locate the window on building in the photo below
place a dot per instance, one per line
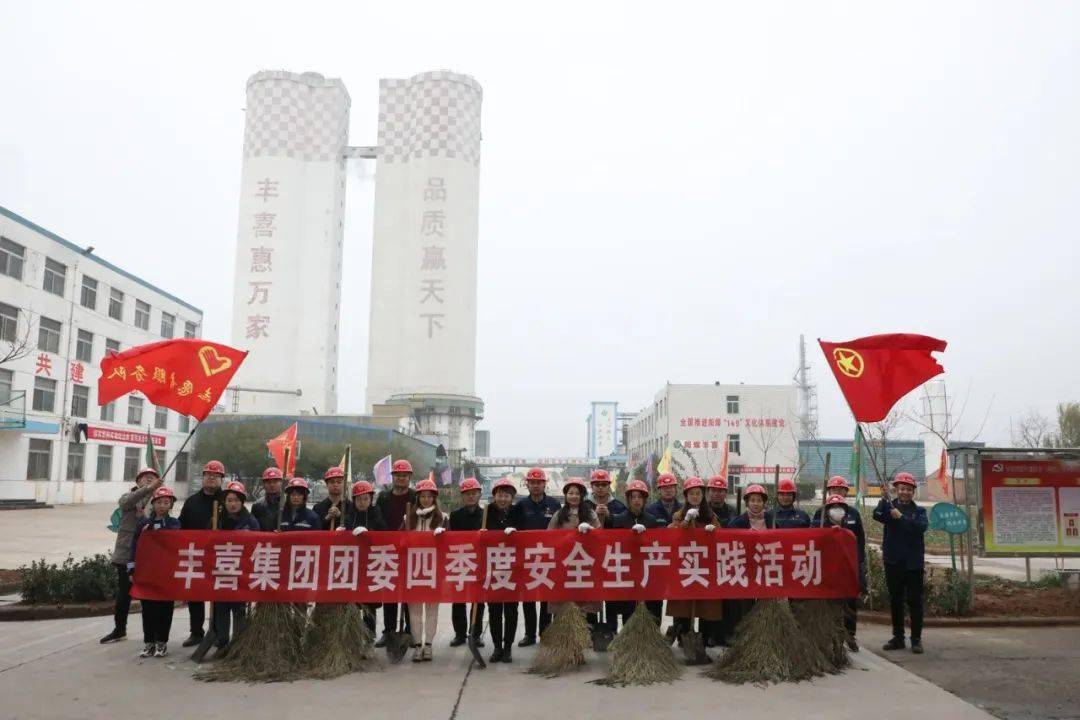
(108, 411)
(732, 404)
(111, 346)
(9, 322)
(7, 382)
(116, 304)
(12, 255)
(55, 275)
(104, 462)
(84, 346)
(40, 460)
(44, 394)
(132, 462)
(48, 335)
(184, 424)
(734, 476)
(161, 418)
(142, 315)
(168, 323)
(733, 444)
(88, 299)
(191, 329)
(80, 400)
(135, 406)
(76, 458)
(181, 467)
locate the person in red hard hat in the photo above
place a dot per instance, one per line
(638, 519)
(664, 507)
(504, 616)
(425, 516)
(156, 614)
(298, 516)
(574, 515)
(838, 514)
(904, 554)
(392, 503)
(265, 509)
(603, 503)
(756, 516)
(333, 508)
(467, 517)
(696, 513)
(534, 512)
(198, 513)
(717, 494)
(787, 515)
(364, 518)
(235, 518)
(837, 485)
(132, 505)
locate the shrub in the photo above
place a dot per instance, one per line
(88, 580)
(877, 594)
(948, 594)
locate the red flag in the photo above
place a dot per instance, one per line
(943, 473)
(277, 447)
(187, 375)
(874, 372)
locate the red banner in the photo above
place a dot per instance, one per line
(125, 436)
(187, 375)
(459, 566)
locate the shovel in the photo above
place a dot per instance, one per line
(693, 646)
(601, 633)
(210, 637)
(398, 643)
(474, 632)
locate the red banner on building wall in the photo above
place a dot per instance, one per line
(124, 436)
(494, 567)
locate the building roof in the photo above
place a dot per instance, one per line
(908, 455)
(105, 263)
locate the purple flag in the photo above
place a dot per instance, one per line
(648, 470)
(382, 471)
(446, 476)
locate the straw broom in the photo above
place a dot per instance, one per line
(640, 654)
(563, 643)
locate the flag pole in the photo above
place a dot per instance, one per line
(180, 450)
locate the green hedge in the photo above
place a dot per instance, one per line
(88, 580)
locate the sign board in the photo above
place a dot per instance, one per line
(102, 434)
(949, 518)
(1030, 506)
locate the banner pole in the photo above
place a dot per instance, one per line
(180, 450)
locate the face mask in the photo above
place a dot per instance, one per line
(836, 514)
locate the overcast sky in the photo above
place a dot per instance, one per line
(666, 194)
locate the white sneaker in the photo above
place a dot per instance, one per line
(147, 651)
(161, 650)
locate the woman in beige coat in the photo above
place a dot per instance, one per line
(574, 515)
(425, 516)
(696, 513)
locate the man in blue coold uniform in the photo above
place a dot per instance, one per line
(904, 554)
(534, 512)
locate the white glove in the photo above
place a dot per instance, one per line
(130, 567)
(691, 514)
(359, 530)
(440, 530)
(584, 528)
(340, 529)
(638, 528)
(710, 528)
(510, 530)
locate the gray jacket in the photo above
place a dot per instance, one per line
(132, 507)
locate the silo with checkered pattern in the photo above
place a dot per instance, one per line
(422, 339)
(287, 288)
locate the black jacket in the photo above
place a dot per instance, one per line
(266, 512)
(657, 510)
(198, 511)
(743, 521)
(323, 506)
(628, 520)
(243, 521)
(301, 518)
(371, 518)
(497, 519)
(467, 518)
(384, 505)
(615, 507)
(529, 515)
(791, 518)
(723, 513)
(902, 542)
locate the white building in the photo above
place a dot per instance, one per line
(287, 288)
(758, 423)
(422, 339)
(65, 307)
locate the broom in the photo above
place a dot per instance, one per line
(563, 643)
(640, 654)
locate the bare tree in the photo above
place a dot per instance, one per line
(877, 437)
(764, 436)
(17, 343)
(1032, 430)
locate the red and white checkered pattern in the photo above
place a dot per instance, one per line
(433, 114)
(305, 117)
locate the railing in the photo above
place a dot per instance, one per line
(13, 410)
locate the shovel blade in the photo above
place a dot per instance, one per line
(397, 645)
(205, 644)
(474, 649)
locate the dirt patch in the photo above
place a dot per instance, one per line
(1024, 601)
(9, 582)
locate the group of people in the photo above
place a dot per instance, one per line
(405, 507)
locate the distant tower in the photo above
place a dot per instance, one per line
(807, 395)
(287, 287)
(935, 422)
(422, 341)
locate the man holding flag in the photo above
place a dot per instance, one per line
(199, 513)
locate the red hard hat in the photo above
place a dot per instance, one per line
(756, 489)
(214, 466)
(426, 485)
(718, 482)
(469, 484)
(147, 471)
(786, 485)
(599, 476)
(637, 486)
(238, 488)
(536, 474)
(334, 472)
(837, 481)
(691, 483)
(504, 483)
(362, 487)
(836, 500)
(271, 473)
(298, 484)
(164, 492)
(571, 482)
(666, 480)
(903, 478)
(401, 466)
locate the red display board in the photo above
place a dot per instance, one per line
(1030, 506)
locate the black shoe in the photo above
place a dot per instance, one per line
(496, 656)
(527, 641)
(114, 636)
(671, 635)
(480, 642)
(219, 653)
(897, 643)
(381, 642)
(193, 640)
(852, 644)
(507, 657)
(458, 641)
(916, 647)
